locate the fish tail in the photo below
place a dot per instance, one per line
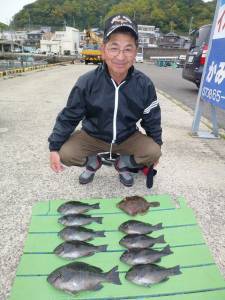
(96, 206)
(102, 248)
(167, 250)
(161, 239)
(100, 233)
(98, 219)
(60, 220)
(175, 270)
(154, 204)
(113, 276)
(158, 226)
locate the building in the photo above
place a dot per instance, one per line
(11, 40)
(61, 42)
(172, 40)
(148, 35)
(14, 36)
(82, 39)
(33, 38)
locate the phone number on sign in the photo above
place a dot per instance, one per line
(212, 94)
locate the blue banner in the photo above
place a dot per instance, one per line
(213, 87)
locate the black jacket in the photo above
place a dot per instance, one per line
(109, 112)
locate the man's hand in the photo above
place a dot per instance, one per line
(55, 163)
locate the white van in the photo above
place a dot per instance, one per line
(139, 58)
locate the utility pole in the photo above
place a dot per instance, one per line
(190, 25)
(29, 22)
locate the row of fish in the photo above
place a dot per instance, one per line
(79, 276)
(141, 256)
(75, 234)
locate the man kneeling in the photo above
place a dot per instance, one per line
(109, 101)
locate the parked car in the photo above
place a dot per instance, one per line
(181, 61)
(196, 55)
(17, 50)
(139, 58)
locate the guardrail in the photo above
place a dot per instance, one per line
(17, 71)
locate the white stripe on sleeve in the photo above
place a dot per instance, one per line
(151, 106)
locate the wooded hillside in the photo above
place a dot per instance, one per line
(165, 14)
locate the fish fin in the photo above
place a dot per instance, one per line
(161, 239)
(98, 219)
(165, 279)
(154, 204)
(102, 248)
(113, 276)
(158, 226)
(167, 250)
(144, 212)
(60, 220)
(100, 233)
(95, 206)
(97, 287)
(175, 270)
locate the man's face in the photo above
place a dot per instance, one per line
(119, 53)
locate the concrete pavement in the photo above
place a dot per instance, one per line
(190, 167)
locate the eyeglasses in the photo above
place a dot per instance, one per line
(114, 51)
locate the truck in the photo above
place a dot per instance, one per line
(91, 52)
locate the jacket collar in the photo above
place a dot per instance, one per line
(129, 73)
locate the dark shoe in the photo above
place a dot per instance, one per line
(125, 176)
(86, 177)
(88, 174)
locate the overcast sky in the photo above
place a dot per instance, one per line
(8, 8)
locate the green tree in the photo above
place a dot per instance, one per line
(92, 13)
(3, 26)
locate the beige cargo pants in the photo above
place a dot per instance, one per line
(80, 145)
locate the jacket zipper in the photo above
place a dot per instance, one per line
(115, 113)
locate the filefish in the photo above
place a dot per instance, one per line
(78, 276)
(144, 256)
(75, 249)
(79, 233)
(76, 207)
(150, 274)
(131, 241)
(135, 205)
(138, 227)
(78, 220)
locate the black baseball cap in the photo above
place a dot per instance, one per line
(120, 21)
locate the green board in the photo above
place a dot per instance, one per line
(200, 278)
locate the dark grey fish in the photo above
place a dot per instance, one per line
(150, 274)
(138, 227)
(75, 249)
(76, 207)
(78, 220)
(79, 276)
(140, 241)
(79, 233)
(144, 256)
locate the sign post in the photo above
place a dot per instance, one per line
(212, 87)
